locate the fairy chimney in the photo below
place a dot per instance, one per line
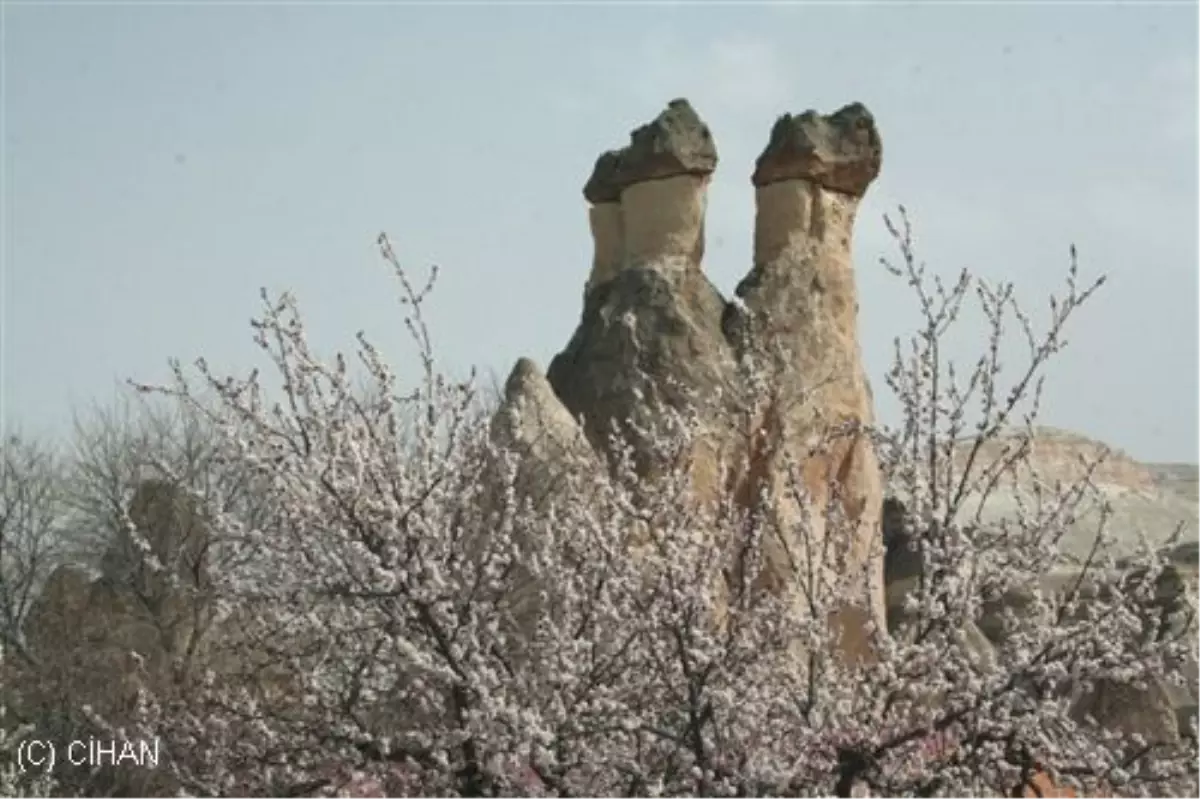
(650, 331)
(604, 216)
(801, 302)
(648, 199)
(654, 330)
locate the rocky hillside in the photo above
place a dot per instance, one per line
(1146, 499)
(1150, 498)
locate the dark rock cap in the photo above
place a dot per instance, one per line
(676, 142)
(841, 152)
(602, 186)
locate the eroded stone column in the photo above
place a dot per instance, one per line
(802, 301)
(651, 329)
(604, 218)
(664, 220)
(809, 181)
(649, 199)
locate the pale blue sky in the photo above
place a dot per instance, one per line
(164, 162)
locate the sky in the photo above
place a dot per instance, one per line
(163, 162)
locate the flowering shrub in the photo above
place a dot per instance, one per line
(408, 619)
(12, 780)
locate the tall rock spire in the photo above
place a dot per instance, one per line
(654, 330)
(802, 302)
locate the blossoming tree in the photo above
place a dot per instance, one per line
(412, 618)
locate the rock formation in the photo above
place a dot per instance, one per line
(134, 621)
(1144, 498)
(648, 200)
(533, 425)
(802, 304)
(168, 521)
(97, 641)
(656, 333)
(549, 448)
(651, 326)
(1149, 499)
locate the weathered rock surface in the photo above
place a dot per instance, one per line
(98, 641)
(651, 323)
(171, 524)
(841, 152)
(1133, 710)
(603, 186)
(94, 636)
(1152, 499)
(801, 301)
(648, 199)
(1158, 710)
(608, 235)
(645, 337)
(133, 622)
(676, 142)
(655, 332)
(531, 422)
(1146, 499)
(902, 568)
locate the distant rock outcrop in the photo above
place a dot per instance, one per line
(99, 641)
(171, 545)
(140, 617)
(655, 332)
(1146, 501)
